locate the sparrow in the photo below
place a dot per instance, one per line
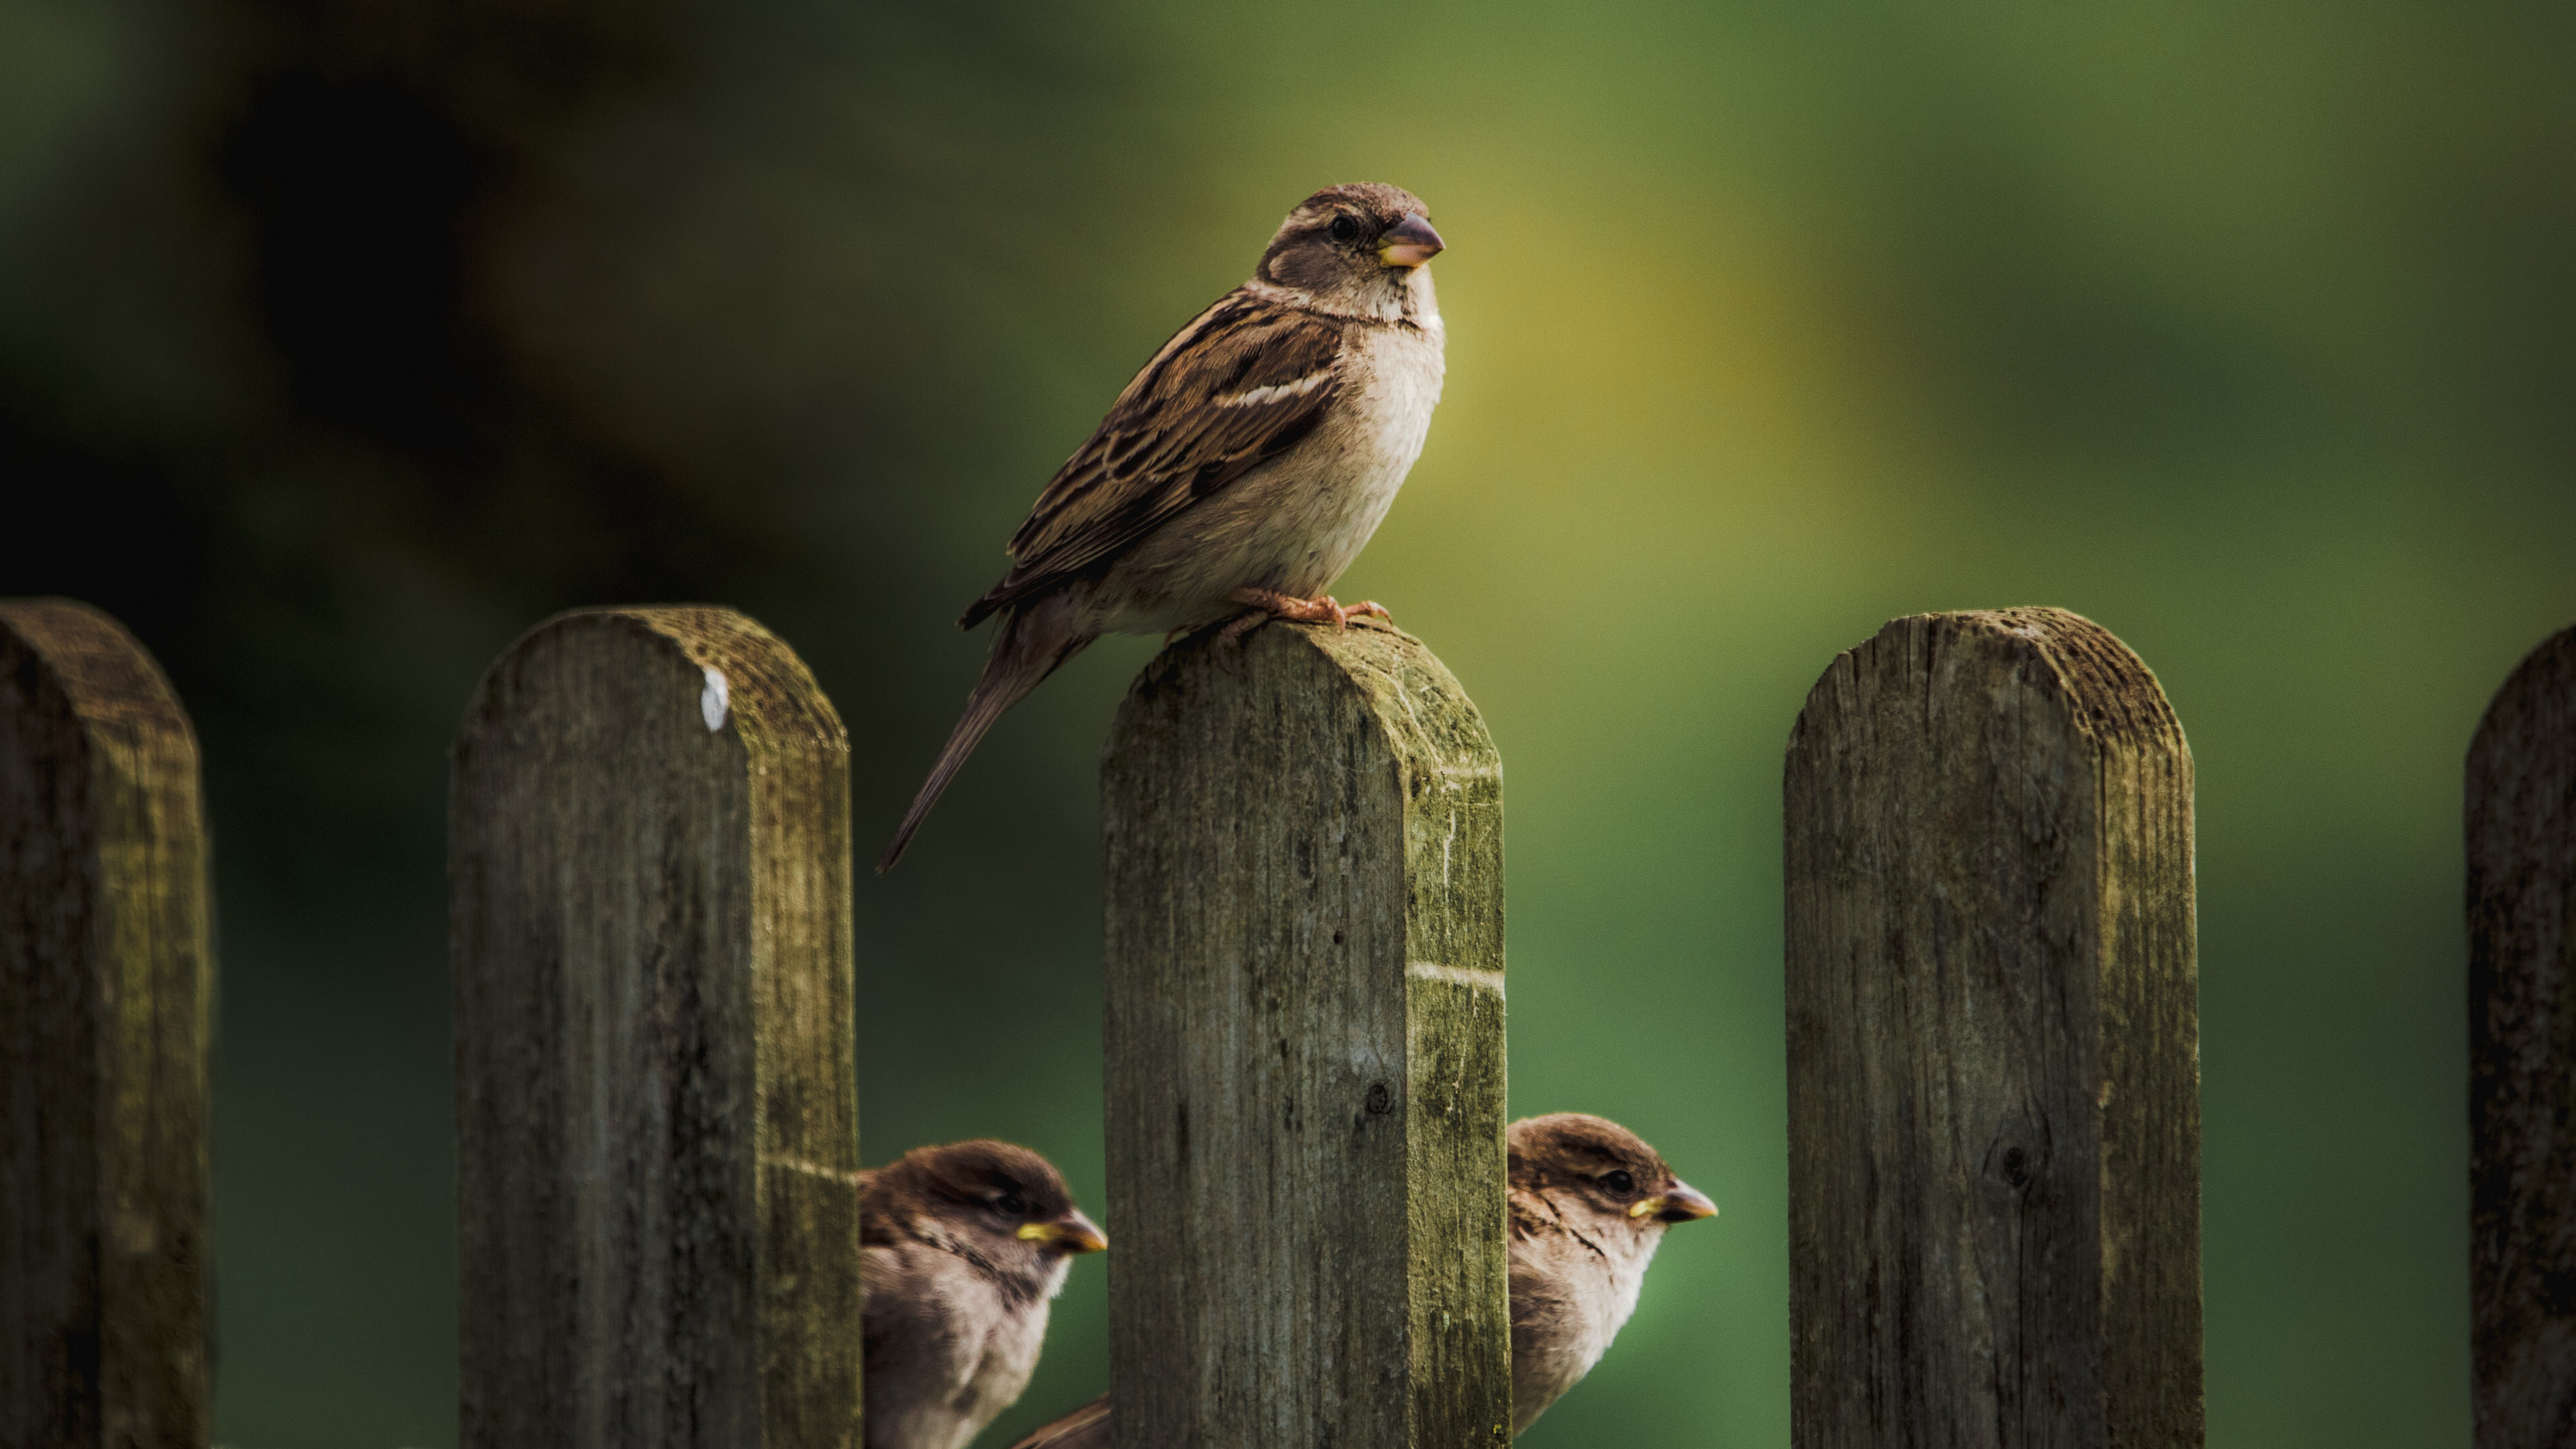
(1240, 472)
(962, 1248)
(1589, 1202)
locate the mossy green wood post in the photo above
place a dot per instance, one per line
(107, 980)
(657, 1124)
(1994, 1080)
(2521, 830)
(1305, 1049)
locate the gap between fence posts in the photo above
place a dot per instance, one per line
(657, 1124)
(107, 977)
(1304, 1070)
(2520, 824)
(1994, 1113)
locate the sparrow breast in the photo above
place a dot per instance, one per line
(1363, 453)
(1294, 523)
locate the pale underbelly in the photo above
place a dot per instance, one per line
(1293, 525)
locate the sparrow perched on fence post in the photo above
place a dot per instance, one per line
(1240, 472)
(1589, 1204)
(962, 1247)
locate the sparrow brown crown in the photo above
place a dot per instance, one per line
(1343, 235)
(1604, 1161)
(998, 1187)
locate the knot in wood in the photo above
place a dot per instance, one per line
(2019, 1150)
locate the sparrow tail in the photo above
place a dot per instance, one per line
(1088, 1427)
(1032, 640)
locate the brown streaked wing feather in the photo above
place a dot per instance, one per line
(1166, 443)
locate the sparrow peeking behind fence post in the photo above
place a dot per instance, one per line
(1240, 472)
(962, 1247)
(1589, 1203)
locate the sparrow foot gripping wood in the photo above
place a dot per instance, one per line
(1264, 605)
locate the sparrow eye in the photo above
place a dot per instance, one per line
(1009, 1205)
(1619, 1182)
(1345, 229)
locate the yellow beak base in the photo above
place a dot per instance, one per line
(1073, 1233)
(1410, 242)
(1684, 1203)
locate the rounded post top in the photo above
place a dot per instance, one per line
(1391, 677)
(104, 672)
(727, 672)
(2110, 695)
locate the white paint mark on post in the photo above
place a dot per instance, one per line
(715, 701)
(813, 1169)
(1482, 980)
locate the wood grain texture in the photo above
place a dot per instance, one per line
(657, 1124)
(1994, 1116)
(107, 979)
(1305, 1050)
(2521, 829)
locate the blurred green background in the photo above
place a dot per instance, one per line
(340, 341)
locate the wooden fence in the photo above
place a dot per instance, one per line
(1994, 1116)
(106, 1007)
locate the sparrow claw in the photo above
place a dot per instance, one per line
(1241, 624)
(1271, 604)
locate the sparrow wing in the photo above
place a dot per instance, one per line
(1240, 384)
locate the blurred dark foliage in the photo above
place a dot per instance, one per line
(359, 419)
(396, 374)
(356, 338)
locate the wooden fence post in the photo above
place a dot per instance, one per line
(107, 982)
(1305, 1049)
(2521, 830)
(1994, 1081)
(657, 1121)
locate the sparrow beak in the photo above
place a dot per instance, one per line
(1073, 1233)
(1681, 1203)
(1410, 242)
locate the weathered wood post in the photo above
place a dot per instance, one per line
(107, 979)
(657, 1124)
(1305, 1050)
(1994, 1082)
(2521, 829)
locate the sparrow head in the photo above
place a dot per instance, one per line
(1356, 249)
(1004, 1203)
(1603, 1170)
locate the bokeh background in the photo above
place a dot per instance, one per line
(342, 339)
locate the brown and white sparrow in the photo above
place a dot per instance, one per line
(1589, 1203)
(962, 1247)
(1242, 470)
